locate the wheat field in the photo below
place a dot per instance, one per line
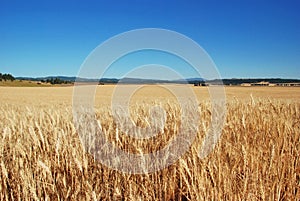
(256, 158)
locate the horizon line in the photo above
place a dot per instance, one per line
(232, 78)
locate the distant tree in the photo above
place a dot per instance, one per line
(6, 77)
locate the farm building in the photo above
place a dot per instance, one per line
(257, 84)
(246, 84)
(289, 84)
(200, 84)
(269, 84)
(261, 84)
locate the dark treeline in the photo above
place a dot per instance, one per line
(56, 81)
(234, 81)
(195, 81)
(6, 77)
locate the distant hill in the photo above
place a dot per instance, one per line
(64, 78)
(232, 81)
(113, 80)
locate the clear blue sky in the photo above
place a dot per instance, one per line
(254, 38)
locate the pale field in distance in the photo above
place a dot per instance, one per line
(257, 157)
(63, 95)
